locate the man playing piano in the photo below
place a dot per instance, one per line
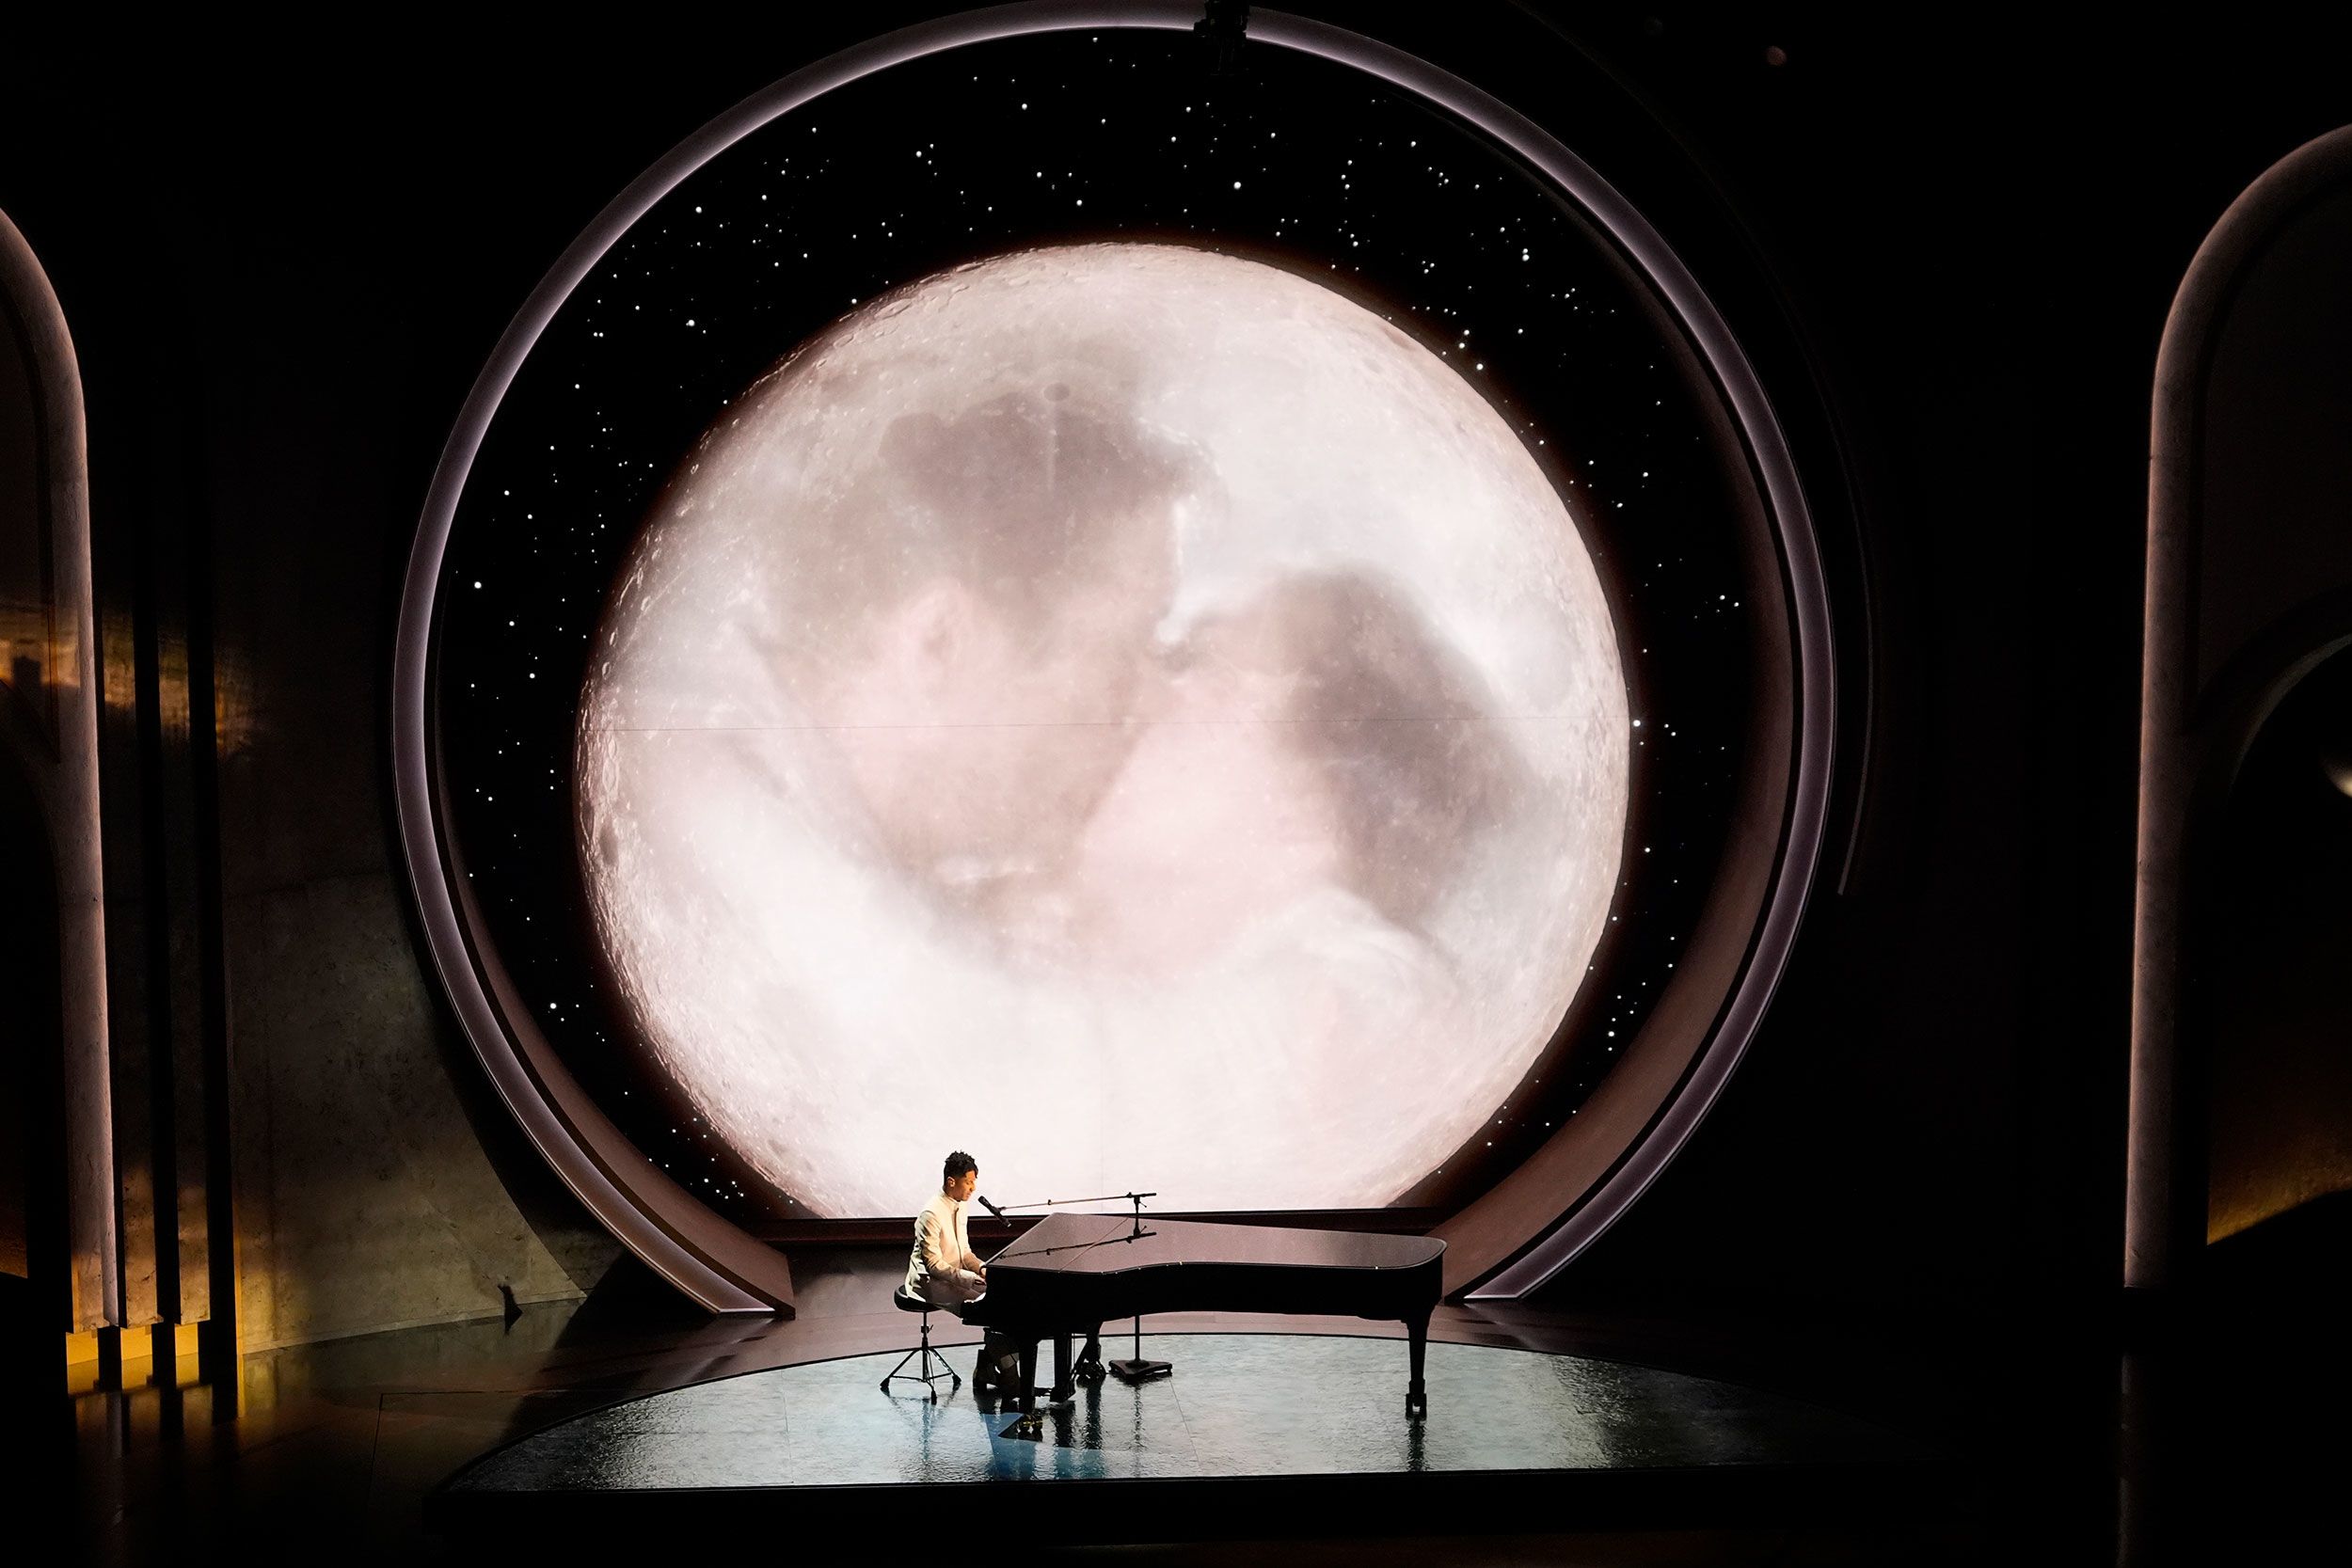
(944, 1270)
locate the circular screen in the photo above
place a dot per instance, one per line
(1120, 689)
(1212, 636)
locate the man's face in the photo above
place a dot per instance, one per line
(1077, 689)
(963, 1186)
(983, 737)
(1037, 718)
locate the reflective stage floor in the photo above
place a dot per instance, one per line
(1235, 1405)
(1688, 1434)
(1241, 1423)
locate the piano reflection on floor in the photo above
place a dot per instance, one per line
(1072, 1271)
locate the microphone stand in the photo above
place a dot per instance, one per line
(1134, 1369)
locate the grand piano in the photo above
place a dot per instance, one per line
(1072, 1271)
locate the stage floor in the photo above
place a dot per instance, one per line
(1641, 1434)
(1238, 1407)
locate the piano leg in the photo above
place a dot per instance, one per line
(1416, 1396)
(1063, 1389)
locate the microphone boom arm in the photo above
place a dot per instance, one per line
(1002, 1208)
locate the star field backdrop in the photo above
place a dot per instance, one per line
(1304, 164)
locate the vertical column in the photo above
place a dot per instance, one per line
(52, 740)
(206, 1064)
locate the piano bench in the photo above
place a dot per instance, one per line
(924, 1376)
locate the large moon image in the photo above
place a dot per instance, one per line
(1129, 712)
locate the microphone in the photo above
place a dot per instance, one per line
(990, 1207)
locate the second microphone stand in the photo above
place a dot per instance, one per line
(1136, 1369)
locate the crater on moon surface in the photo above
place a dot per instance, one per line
(1127, 711)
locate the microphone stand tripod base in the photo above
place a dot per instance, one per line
(1136, 1369)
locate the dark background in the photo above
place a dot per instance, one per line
(1949, 239)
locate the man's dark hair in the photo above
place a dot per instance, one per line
(1027, 501)
(957, 1164)
(1397, 722)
